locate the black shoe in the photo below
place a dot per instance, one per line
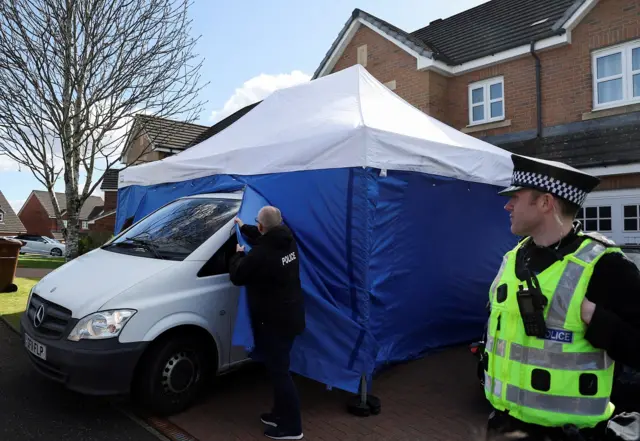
(269, 419)
(277, 433)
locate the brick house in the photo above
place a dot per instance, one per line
(148, 141)
(38, 216)
(152, 138)
(555, 79)
(10, 224)
(105, 221)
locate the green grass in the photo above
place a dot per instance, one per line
(12, 305)
(30, 261)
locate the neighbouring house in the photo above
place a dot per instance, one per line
(38, 216)
(105, 221)
(554, 79)
(139, 148)
(152, 139)
(10, 224)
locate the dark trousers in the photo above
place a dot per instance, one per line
(274, 350)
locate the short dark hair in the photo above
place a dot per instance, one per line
(567, 209)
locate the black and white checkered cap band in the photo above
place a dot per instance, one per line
(551, 185)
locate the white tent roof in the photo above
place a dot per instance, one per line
(347, 119)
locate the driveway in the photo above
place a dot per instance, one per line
(34, 409)
(435, 398)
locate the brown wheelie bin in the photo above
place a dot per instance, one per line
(9, 252)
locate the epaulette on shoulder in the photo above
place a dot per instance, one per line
(604, 240)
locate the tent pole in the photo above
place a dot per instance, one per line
(364, 404)
(363, 390)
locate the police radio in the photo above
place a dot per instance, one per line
(531, 303)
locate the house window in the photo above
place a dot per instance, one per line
(616, 75)
(85, 225)
(486, 101)
(64, 222)
(595, 218)
(631, 218)
(1, 217)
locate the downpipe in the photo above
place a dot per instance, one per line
(538, 89)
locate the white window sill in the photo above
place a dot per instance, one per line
(486, 126)
(619, 109)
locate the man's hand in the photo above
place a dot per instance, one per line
(239, 249)
(586, 310)
(238, 221)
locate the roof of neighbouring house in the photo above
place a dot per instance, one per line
(487, 29)
(92, 206)
(110, 180)
(165, 133)
(11, 223)
(495, 26)
(103, 214)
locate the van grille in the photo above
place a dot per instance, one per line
(55, 320)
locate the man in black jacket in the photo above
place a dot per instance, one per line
(271, 274)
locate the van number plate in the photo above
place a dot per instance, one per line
(37, 349)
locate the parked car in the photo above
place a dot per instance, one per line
(41, 245)
(150, 313)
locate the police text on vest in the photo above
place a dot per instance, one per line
(288, 259)
(559, 335)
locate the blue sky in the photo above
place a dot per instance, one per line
(252, 47)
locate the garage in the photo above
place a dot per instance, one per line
(614, 213)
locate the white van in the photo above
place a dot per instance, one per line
(150, 313)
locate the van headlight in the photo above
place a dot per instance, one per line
(101, 325)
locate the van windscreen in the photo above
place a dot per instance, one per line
(176, 230)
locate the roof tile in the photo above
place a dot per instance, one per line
(494, 27)
(110, 180)
(165, 133)
(87, 209)
(11, 222)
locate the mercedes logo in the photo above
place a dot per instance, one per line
(39, 317)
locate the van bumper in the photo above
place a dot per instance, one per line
(90, 367)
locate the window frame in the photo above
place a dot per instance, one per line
(1, 217)
(626, 51)
(485, 85)
(636, 218)
(583, 219)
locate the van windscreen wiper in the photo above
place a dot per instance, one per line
(147, 245)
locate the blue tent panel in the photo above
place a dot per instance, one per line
(430, 275)
(392, 266)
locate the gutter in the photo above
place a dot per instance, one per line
(538, 89)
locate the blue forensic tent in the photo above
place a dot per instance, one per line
(399, 226)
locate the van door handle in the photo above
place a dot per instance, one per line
(223, 312)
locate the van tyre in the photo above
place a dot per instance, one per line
(174, 374)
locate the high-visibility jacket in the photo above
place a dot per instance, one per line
(561, 378)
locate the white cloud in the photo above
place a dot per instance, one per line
(256, 89)
(16, 204)
(7, 164)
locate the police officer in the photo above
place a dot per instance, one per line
(563, 309)
(271, 273)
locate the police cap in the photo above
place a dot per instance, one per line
(556, 178)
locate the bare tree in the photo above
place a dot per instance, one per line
(73, 73)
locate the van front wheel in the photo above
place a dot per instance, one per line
(174, 373)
